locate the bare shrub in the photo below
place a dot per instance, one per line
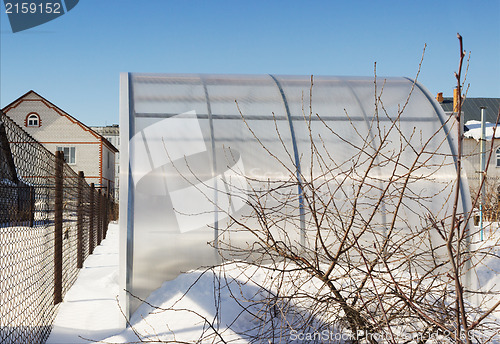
(360, 254)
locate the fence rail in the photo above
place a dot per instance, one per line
(50, 221)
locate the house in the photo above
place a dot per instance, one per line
(84, 149)
(471, 110)
(112, 134)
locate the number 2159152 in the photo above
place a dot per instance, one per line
(31, 7)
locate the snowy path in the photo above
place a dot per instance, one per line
(90, 313)
(90, 309)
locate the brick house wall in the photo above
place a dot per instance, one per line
(87, 150)
(112, 134)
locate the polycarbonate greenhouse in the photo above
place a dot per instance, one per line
(196, 149)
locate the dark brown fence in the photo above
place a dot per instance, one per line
(50, 221)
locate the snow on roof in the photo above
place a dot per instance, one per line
(473, 130)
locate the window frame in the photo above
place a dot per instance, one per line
(70, 158)
(33, 116)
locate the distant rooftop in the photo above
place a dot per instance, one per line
(471, 108)
(109, 130)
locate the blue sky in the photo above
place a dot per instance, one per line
(75, 60)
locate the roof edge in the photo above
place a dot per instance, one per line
(61, 112)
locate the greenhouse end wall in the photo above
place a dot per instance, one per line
(193, 147)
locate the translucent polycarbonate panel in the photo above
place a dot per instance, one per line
(254, 96)
(344, 127)
(156, 94)
(198, 149)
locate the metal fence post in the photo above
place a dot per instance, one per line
(79, 222)
(106, 215)
(99, 217)
(32, 206)
(58, 231)
(91, 229)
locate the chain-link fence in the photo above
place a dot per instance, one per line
(50, 221)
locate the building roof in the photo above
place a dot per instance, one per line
(62, 113)
(471, 108)
(108, 130)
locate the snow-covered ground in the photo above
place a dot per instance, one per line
(89, 309)
(185, 309)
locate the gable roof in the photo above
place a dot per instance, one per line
(471, 108)
(61, 112)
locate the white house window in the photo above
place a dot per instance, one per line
(33, 120)
(498, 157)
(69, 154)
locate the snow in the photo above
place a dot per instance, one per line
(488, 267)
(474, 130)
(89, 309)
(190, 308)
